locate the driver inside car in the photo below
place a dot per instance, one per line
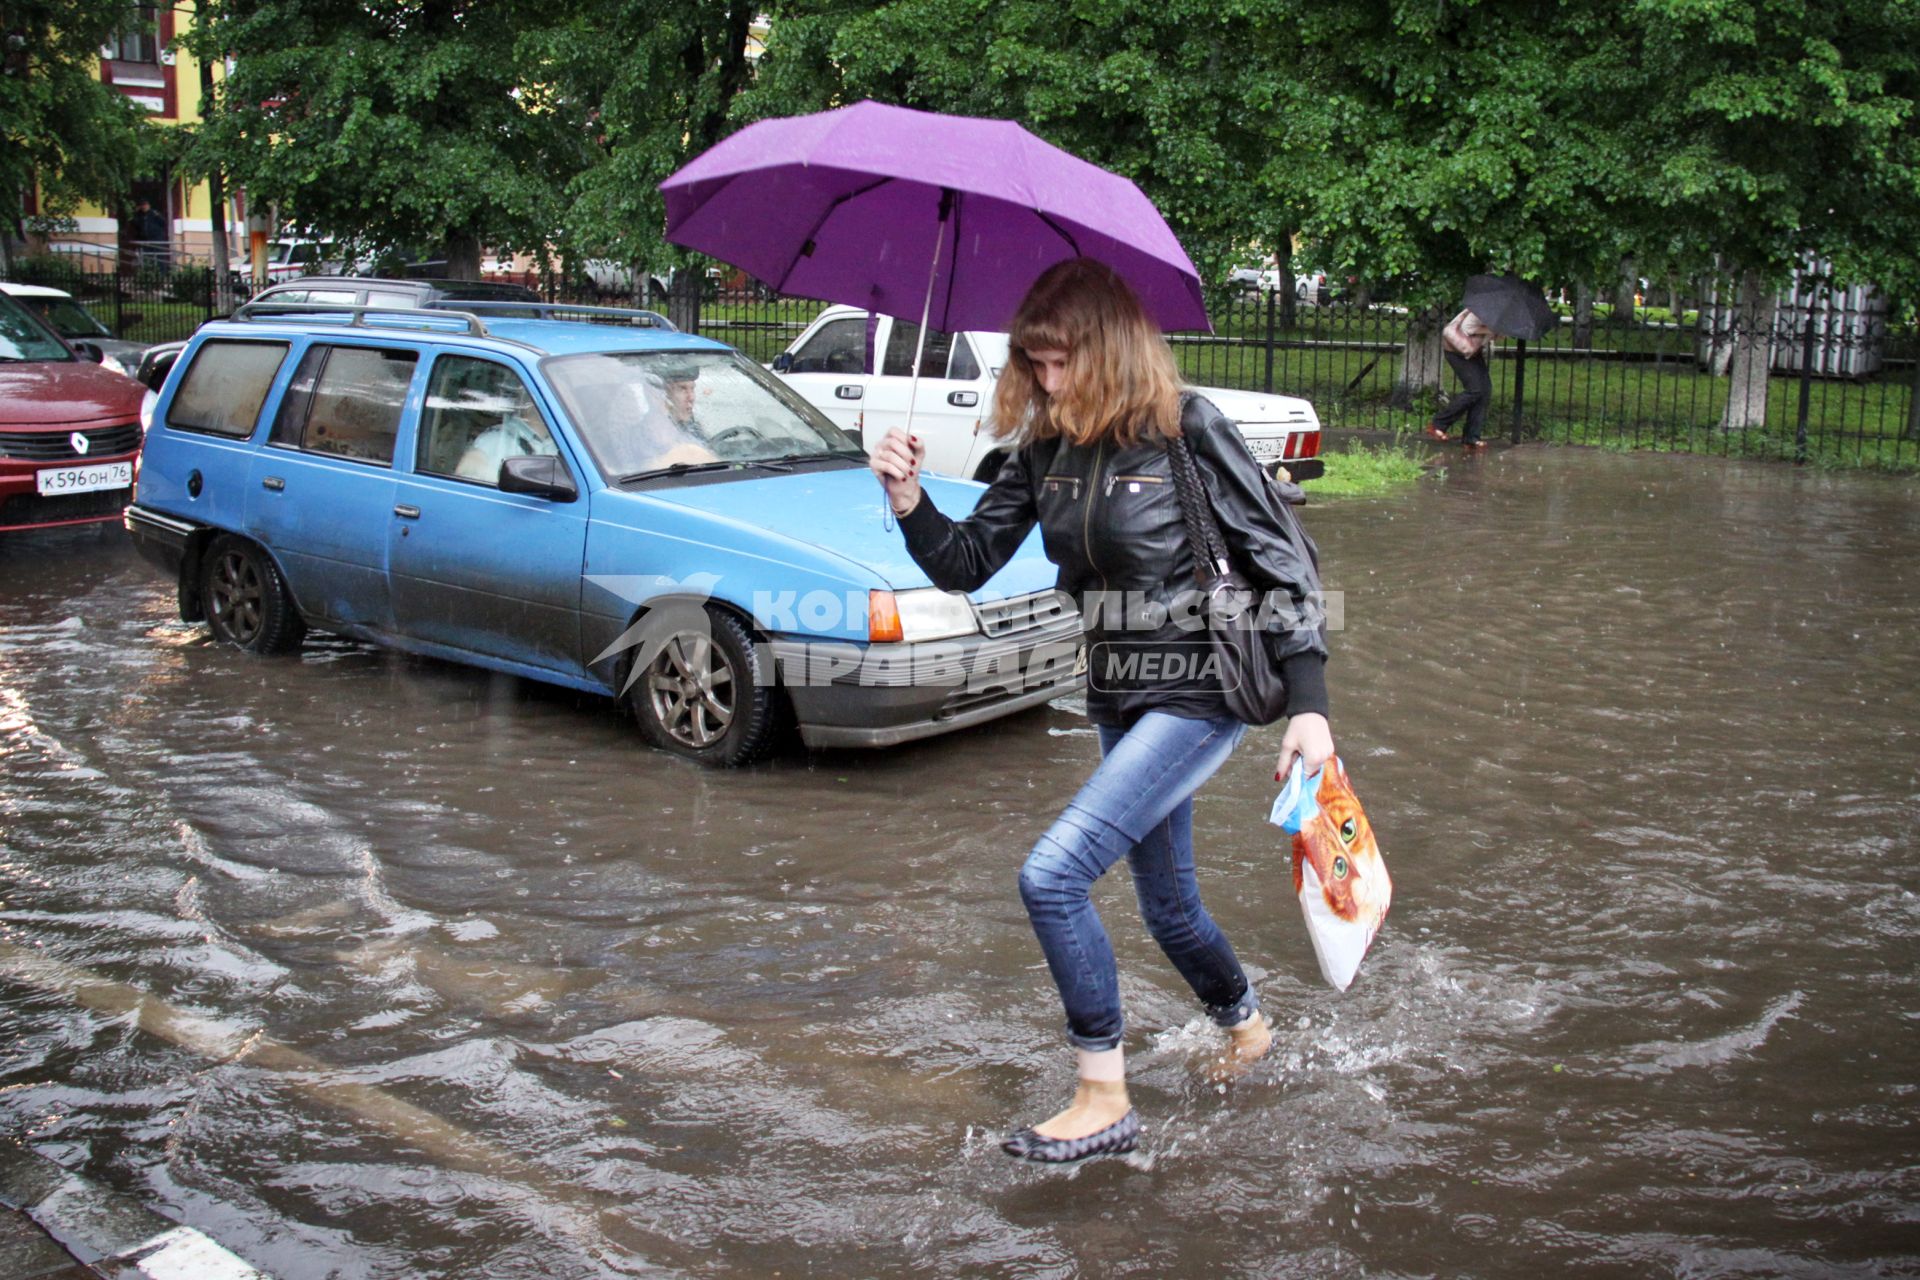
(630, 417)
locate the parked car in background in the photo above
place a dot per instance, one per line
(857, 368)
(69, 429)
(362, 291)
(526, 495)
(290, 259)
(75, 323)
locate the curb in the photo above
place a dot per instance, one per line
(108, 1232)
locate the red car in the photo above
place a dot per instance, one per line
(69, 430)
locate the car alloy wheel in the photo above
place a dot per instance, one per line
(702, 689)
(246, 601)
(692, 687)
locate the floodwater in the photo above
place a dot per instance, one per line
(377, 967)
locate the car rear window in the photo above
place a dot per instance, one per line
(346, 402)
(225, 386)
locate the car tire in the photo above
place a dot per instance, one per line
(246, 600)
(700, 688)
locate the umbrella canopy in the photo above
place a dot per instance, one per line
(866, 204)
(1509, 305)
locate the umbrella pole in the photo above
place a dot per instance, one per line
(926, 307)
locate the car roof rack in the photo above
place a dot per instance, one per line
(358, 314)
(506, 307)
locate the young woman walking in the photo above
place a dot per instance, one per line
(1092, 399)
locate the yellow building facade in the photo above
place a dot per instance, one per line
(144, 64)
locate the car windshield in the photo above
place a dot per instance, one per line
(73, 320)
(646, 413)
(23, 338)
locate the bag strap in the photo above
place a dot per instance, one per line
(1210, 563)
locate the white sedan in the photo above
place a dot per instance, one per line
(857, 368)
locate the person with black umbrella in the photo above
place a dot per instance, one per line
(1467, 338)
(1494, 306)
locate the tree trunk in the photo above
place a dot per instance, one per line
(1750, 348)
(463, 256)
(683, 299)
(1583, 316)
(1913, 401)
(1283, 281)
(1623, 302)
(1421, 361)
(223, 299)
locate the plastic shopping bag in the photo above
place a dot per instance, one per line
(1338, 872)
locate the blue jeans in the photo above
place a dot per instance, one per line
(1138, 804)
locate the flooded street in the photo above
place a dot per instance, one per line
(370, 966)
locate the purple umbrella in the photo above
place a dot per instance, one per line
(911, 213)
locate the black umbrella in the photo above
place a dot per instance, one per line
(1509, 305)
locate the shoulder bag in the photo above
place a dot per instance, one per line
(1250, 681)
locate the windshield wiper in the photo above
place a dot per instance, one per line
(677, 469)
(788, 459)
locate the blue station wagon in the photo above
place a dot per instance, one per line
(622, 509)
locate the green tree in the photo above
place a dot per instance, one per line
(1726, 136)
(1775, 132)
(413, 123)
(657, 82)
(1178, 95)
(61, 129)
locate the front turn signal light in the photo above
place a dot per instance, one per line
(883, 618)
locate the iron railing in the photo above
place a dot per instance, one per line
(1842, 386)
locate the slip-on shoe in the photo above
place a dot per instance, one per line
(1120, 1136)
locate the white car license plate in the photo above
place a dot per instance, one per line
(1267, 448)
(104, 475)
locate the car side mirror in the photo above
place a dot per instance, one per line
(88, 351)
(783, 363)
(542, 475)
(154, 369)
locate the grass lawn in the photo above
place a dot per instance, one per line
(1364, 471)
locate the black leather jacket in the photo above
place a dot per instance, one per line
(1110, 519)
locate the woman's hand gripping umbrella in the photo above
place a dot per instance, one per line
(1338, 872)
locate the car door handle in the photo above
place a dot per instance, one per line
(406, 512)
(849, 391)
(964, 399)
(274, 483)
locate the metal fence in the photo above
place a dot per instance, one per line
(141, 300)
(1843, 386)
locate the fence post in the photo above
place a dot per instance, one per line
(1272, 298)
(1519, 384)
(119, 288)
(1806, 381)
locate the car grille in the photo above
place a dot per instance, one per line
(1015, 614)
(57, 446)
(31, 508)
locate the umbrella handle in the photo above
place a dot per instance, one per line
(926, 307)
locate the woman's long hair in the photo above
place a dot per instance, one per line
(1121, 382)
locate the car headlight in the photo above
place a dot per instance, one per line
(147, 401)
(916, 616)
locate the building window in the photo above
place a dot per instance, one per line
(138, 43)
